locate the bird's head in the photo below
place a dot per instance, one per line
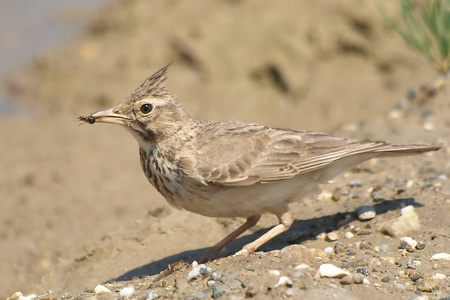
(150, 112)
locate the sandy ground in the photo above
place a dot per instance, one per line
(77, 210)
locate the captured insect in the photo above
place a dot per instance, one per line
(88, 119)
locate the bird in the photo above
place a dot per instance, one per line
(227, 169)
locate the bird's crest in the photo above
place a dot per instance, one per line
(150, 86)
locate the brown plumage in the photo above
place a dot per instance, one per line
(233, 169)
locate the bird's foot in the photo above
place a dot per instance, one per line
(245, 251)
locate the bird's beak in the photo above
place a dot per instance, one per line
(106, 116)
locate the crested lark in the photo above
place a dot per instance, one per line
(232, 169)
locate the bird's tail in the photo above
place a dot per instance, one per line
(402, 150)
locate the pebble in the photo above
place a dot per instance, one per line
(201, 295)
(365, 212)
(284, 281)
(331, 271)
(378, 196)
(150, 295)
(420, 245)
(331, 237)
(354, 184)
(375, 262)
(359, 263)
(101, 289)
(217, 292)
(439, 276)
(325, 195)
(363, 271)
(328, 251)
(15, 296)
(301, 271)
(216, 275)
(384, 247)
(408, 221)
(408, 243)
(274, 273)
(350, 252)
(386, 279)
(364, 245)
(428, 126)
(302, 267)
(346, 280)
(321, 236)
(414, 277)
(349, 235)
(23, 298)
(197, 272)
(358, 278)
(440, 256)
(127, 291)
(402, 274)
(296, 254)
(428, 285)
(413, 263)
(399, 286)
(66, 295)
(339, 248)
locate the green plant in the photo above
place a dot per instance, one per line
(425, 25)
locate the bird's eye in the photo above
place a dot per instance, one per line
(146, 108)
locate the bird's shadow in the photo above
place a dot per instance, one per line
(306, 229)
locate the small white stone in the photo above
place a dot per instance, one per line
(349, 235)
(407, 210)
(101, 289)
(301, 271)
(210, 282)
(23, 298)
(199, 271)
(394, 115)
(331, 237)
(439, 276)
(302, 266)
(194, 264)
(284, 281)
(321, 236)
(328, 250)
(325, 195)
(275, 273)
(15, 295)
(440, 256)
(407, 222)
(428, 126)
(366, 212)
(127, 291)
(151, 295)
(384, 247)
(329, 270)
(408, 243)
(366, 281)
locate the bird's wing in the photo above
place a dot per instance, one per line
(233, 154)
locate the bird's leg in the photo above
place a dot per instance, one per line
(213, 253)
(286, 220)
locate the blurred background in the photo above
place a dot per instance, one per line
(76, 208)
